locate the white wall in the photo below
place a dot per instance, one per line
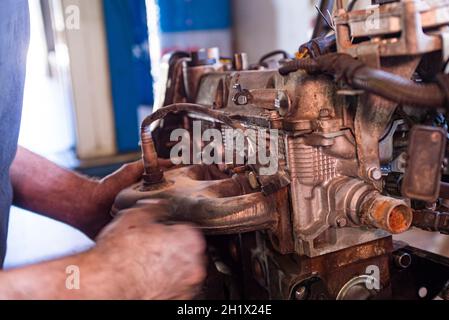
(90, 79)
(261, 26)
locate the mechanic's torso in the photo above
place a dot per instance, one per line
(14, 37)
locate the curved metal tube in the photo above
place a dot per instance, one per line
(188, 107)
(153, 174)
(241, 214)
(220, 216)
(148, 150)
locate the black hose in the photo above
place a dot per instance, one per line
(398, 89)
(319, 46)
(387, 85)
(272, 54)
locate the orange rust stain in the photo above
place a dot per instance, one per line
(379, 213)
(398, 220)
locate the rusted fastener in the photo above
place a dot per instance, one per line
(375, 174)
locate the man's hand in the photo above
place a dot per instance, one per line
(105, 191)
(45, 188)
(135, 258)
(167, 262)
(102, 195)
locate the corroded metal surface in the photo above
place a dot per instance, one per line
(315, 227)
(217, 203)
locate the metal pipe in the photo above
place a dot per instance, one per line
(389, 214)
(365, 206)
(153, 173)
(356, 74)
(148, 150)
(189, 107)
(221, 216)
(430, 220)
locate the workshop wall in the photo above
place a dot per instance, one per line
(261, 26)
(187, 25)
(194, 24)
(130, 67)
(83, 51)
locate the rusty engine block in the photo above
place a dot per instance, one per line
(355, 126)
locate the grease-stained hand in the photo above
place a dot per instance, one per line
(161, 262)
(103, 193)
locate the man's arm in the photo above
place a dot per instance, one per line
(45, 188)
(134, 258)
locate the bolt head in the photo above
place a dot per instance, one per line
(242, 100)
(342, 222)
(435, 137)
(325, 113)
(375, 174)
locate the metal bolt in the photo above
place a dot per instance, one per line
(301, 293)
(342, 222)
(242, 100)
(435, 137)
(375, 174)
(325, 113)
(153, 174)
